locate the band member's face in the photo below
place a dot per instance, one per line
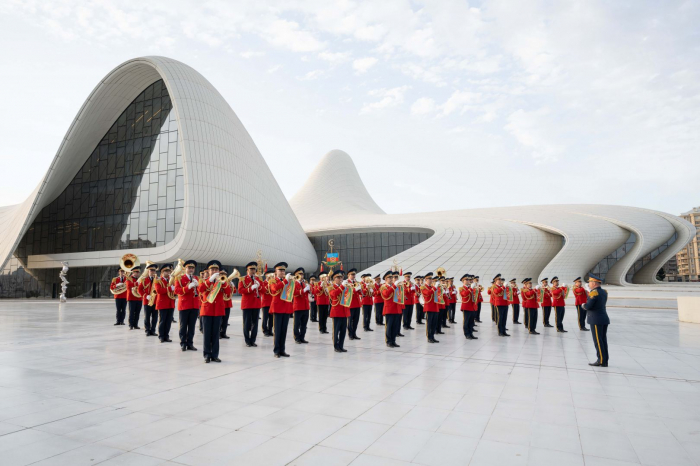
(135, 274)
(189, 270)
(545, 283)
(428, 281)
(313, 281)
(280, 273)
(337, 280)
(466, 282)
(205, 274)
(151, 273)
(213, 270)
(577, 283)
(121, 272)
(250, 271)
(165, 273)
(528, 285)
(377, 280)
(351, 277)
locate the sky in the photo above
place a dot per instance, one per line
(441, 104)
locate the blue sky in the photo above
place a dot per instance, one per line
(442, 104)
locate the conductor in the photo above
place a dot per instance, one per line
(598, 319)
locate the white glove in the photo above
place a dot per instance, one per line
(454, 292)
(172, 287)
(401, 280)
(191, 285)
(307, 288)
(586, 287)
(344, 282)
(474, 285)
(358, 287)
(563, 285)
(288, 276)
(537, 287)
(214, 277)
(255, 286)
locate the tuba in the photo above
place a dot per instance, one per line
(127, 262)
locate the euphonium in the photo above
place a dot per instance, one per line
(178, 272)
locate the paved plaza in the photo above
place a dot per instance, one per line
(75, 390)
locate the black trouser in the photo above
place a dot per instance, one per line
(224, 321)
(432, 324)
(266, 321)
(531, 318)
(301, 318)
(546, 312)
(478, 311)
(201, 325)
(340, 326)
(250, 325)
(443, 316)
(452, 309)
(419, 313)
(516, 312)
(280, 322)
(468, 323)
(600, 340)
(314, 311)
(378, 313)
(323, 317)
(559, 312)
(353, 321)
(366, 316)
(502, 317)
(407, 315)
(526, 317)
(150, 319)
(188, 321)
(581, 312)
(391, 330)
(134, 313)
(494, 313)
(212, 328)
(164, 322)
(121, 309)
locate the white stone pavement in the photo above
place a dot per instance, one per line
(76, 390)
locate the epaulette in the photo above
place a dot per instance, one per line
(593, 294)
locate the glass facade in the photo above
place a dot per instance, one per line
(128, 194)
(363, 250)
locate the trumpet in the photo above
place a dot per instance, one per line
(234, 275)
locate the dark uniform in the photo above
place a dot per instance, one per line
(598, 320)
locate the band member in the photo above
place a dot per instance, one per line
(265, 303)
(147, 292)
(250, 288)
(282, 291)
(165, 303)
(339, 313)
(187, 305)
(408, 300)
(203, 275)
(494, 313)
(228, 301)
(133, 298)
(480, 298)
(213, 290)
(581, 296)
(444, 304)
(546, 301)
(514, 301)
(530, 306)
(391, 310)
(399, 303)
(498, 294)
(300, 305)
(452, 294)
(312, 300)
(323, 302)
(558, 295)
(355, 303)
(119, 299)
(468, 308)
(430, 295)
(378, 301)
(367, 301)
(598, 319)
(418, 299)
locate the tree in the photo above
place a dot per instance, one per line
(661, 274)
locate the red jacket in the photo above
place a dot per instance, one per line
(188, 298)
(301, 297)
(558, 296)
(163, 300)
(390, 307)
(530, 299)
(547, 301)
(408, 294)
(498, 295)
(322, 298)
(266, 297)
(131, 283)
(250, 298)
(278, 305)
(145, 289)
(581, 295)
(480, 297)
(367, 295)
(428, 293)
(377, 293)
(452, 291)
(467, 295)
(337, 310)
(115, 281)
(516, 299)
(356, 300)
(218, 307)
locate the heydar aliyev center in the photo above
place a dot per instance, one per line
(156, 163)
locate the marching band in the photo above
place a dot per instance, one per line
(340, 297)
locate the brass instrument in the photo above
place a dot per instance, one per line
(128, 262)
(440, 272)
(234, 275)
(152, 296)
(177, 272)
(119, 289)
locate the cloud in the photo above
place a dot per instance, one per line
(311, 75)
(533, 131)
(387, 98)
(250, 54)
(335, 58)
(423, 106)
(361, 65)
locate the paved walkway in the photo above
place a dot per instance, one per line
(76, 390)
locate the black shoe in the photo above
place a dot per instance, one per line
(225, 337)
(216, 359)
(169, 340)
(184, 348)
(207, 360)
(284, 355)
(411, 328)
(357, 338)
(325, 332)
(431, 341)
(585, 329)
(277, 355)
(369, 330)
(400, 335)
(137, 328)
(532, 332)
(304, 341)
(391, 345)
(298, 342)
(475, 330)
(191, 348)
(597, 364)
(378, 323)
(254, 345)
(516, 322)
(396, 346)
(117, 323)
(446, 326)
(503, 335)
(477, 320)
(562, 331)
(343, 350)
(547, 325)
(337, 350)
(440, 333)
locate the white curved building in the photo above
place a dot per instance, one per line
(156, 163)
(624, 244)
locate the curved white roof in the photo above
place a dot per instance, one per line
(233, 205)
(532, 241)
